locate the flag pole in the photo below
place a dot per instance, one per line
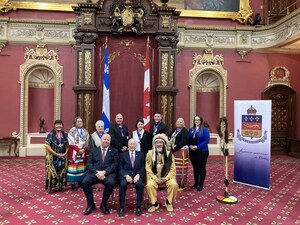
(146, 102)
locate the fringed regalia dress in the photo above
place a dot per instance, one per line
(56, 168)
(78, 139)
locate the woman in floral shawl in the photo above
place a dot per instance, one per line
(77, 156)
(56, 157)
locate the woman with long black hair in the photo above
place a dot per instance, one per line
(198, 150)
(57, 147)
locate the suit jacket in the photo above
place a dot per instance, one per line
(161, 129)
(110, 163)
(181, 139)
(125, 167)
(117, 140)
(146, 142)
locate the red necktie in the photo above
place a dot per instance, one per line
(132, 159)
(103, 154)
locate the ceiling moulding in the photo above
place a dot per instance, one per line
(243, 38)
(21, 31)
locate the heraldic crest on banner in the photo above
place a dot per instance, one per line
(127, 17)
(251, 127)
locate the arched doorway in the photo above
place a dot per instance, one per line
(208, 82)
(42, 70)
(283, 116)
(283, 109)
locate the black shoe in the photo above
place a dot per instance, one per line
(200, 188)
(51, 191)
(89, 209)
(104, 209)
(73, 187)
(121, 212)
(138, 211)
(194, 186)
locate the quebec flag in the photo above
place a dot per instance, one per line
(106, 102)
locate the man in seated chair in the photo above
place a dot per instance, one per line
(102, 165)
(161, 170)
(131, 171)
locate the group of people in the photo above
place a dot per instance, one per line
(157, 159)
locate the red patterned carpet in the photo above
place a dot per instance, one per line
(23, 199)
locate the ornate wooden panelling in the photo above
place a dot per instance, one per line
(124, 17)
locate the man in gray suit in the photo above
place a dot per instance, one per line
(102, 165)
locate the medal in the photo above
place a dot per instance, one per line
(155, 128)
(59, 137)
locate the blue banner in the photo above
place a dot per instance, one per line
(252, 142)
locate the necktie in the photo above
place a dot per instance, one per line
(132, 159)
(103, 154)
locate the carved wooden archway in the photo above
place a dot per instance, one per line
(123, 17)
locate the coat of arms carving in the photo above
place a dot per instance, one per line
(127, 17)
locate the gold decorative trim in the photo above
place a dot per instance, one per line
(80, 67)
(172, 57)
(164, 105)
(41, 53)
(208, 58)
(6, 6)
(113, 56)
(140, 57)
(165, 21)
(164, 69)
(127, 43)
(43, 6)
(88, 67)
(244, 15)
(245, 9)
(88, 109)
(88, 18)
(279, 75)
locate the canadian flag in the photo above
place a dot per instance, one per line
(146, 108)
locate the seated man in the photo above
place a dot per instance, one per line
(160, 169)
(131, 171)
(102, 165)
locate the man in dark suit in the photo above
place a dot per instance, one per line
(119, 134)
(158, 127)
(131, 171)
(102, 165)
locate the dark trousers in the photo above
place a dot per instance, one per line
(87, 186)
(139, 187)
(199, 160)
